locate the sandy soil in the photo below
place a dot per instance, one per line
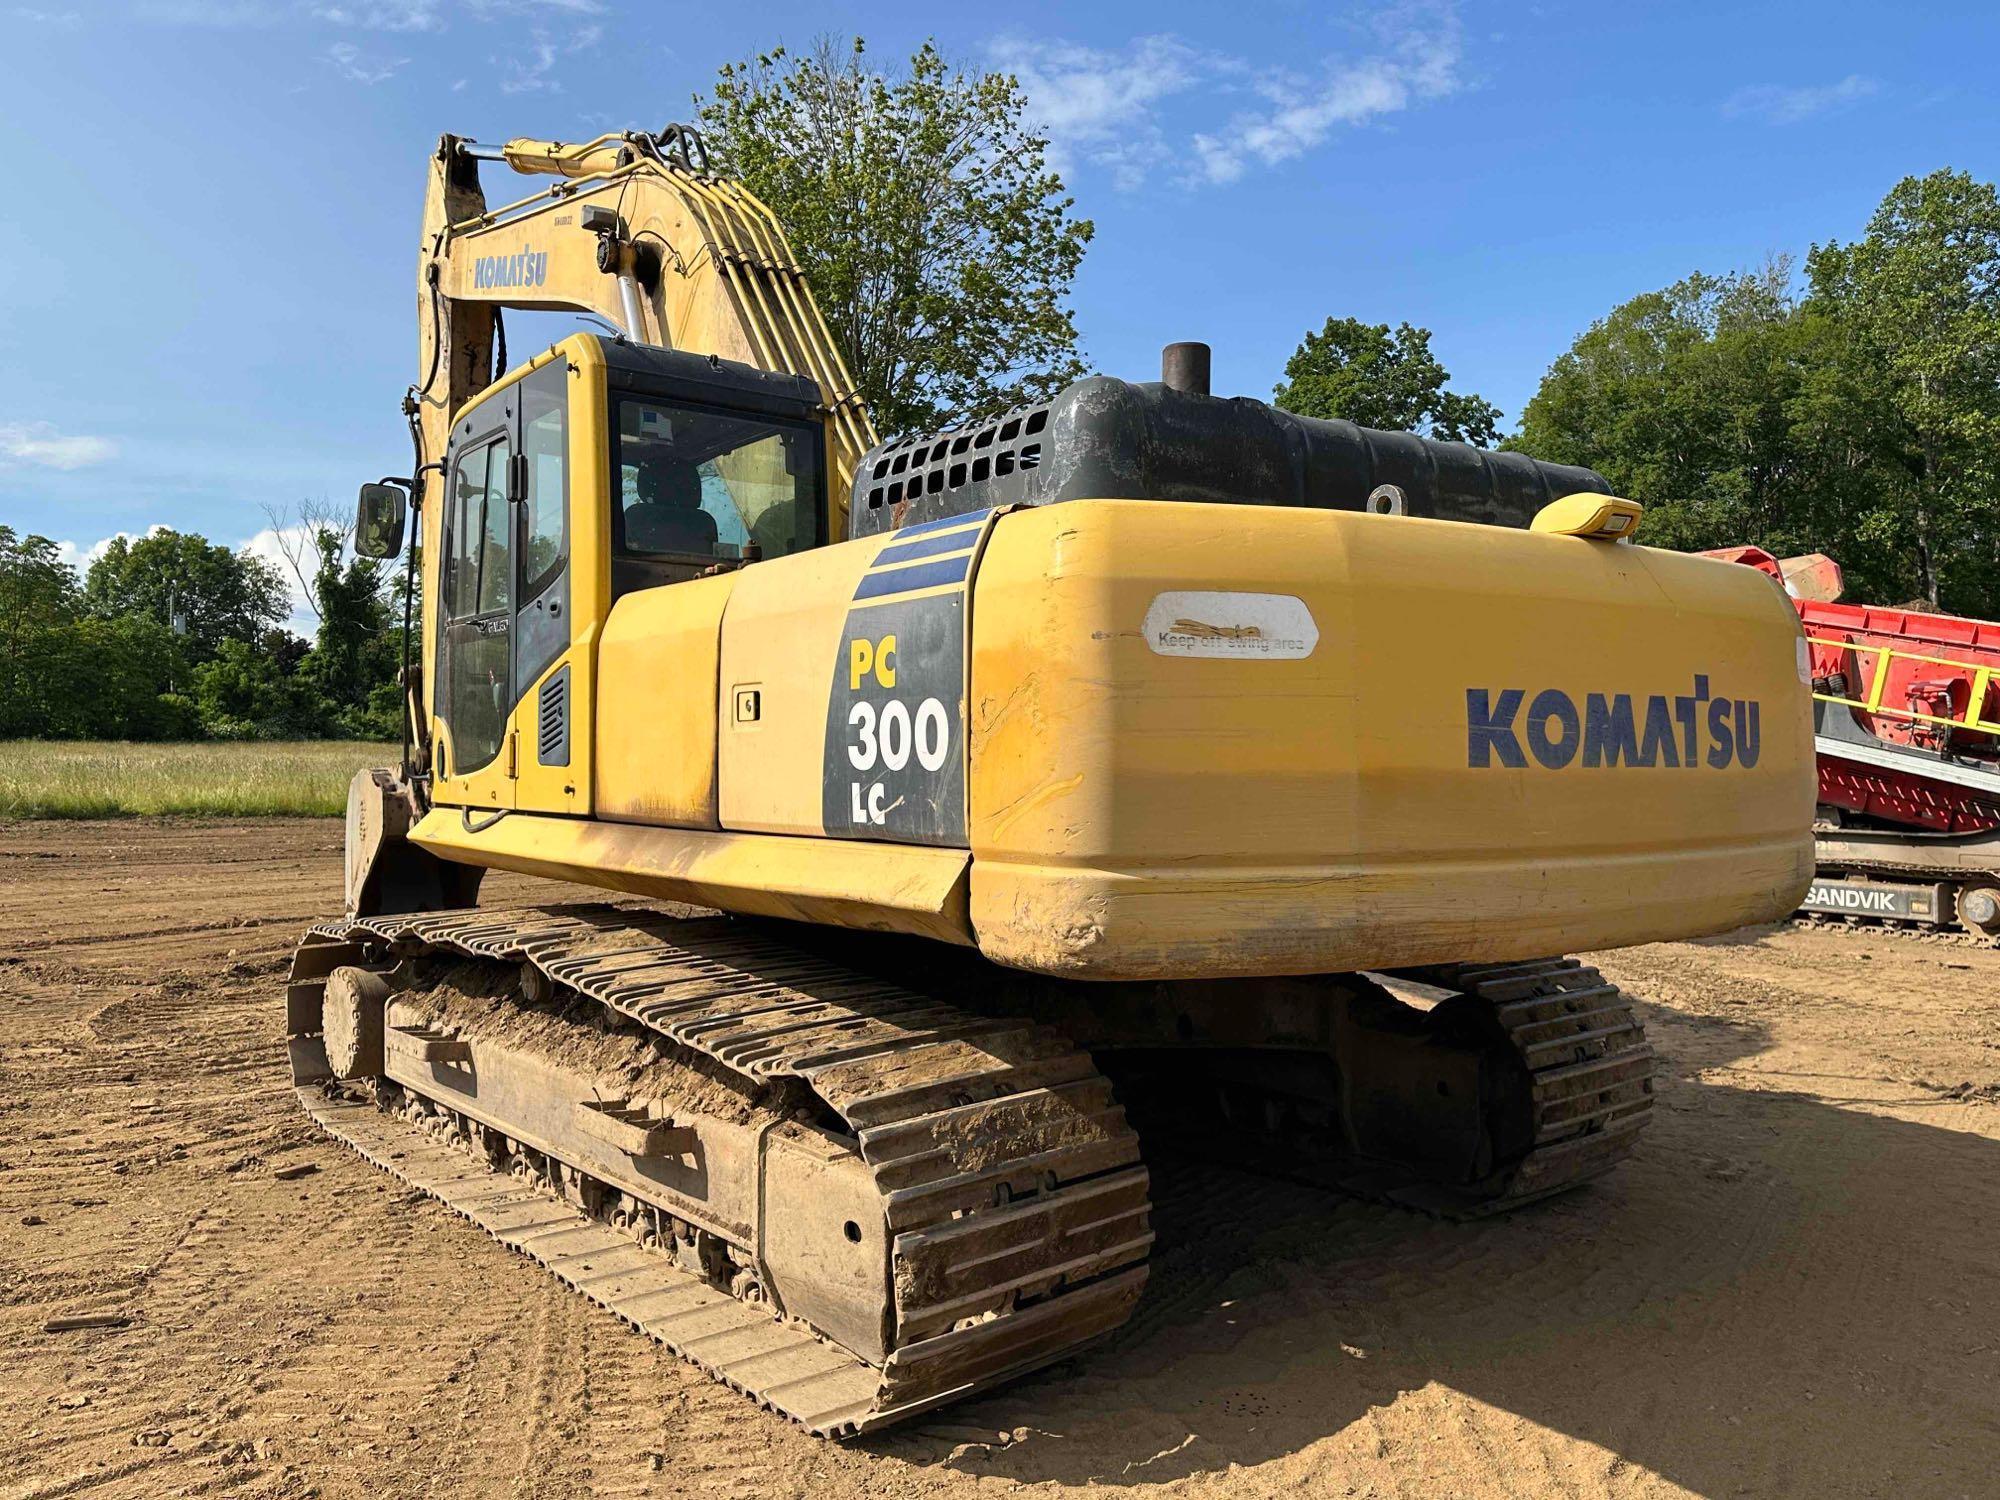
(1794, 1289)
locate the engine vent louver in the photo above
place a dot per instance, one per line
(552, 721)
(948, 461)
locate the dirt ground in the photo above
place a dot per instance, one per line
(1793, 1289)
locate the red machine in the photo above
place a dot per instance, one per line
(1906, 709)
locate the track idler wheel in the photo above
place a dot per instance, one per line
(351, 1020)
(1979, 909)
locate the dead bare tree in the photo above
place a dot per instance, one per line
(301, 533)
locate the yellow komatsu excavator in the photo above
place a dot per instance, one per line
(1136, 765)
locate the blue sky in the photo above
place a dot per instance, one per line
(206, 274)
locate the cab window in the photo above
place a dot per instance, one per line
(478, 588)
(544, 523)
(693, 487)
(476, 574)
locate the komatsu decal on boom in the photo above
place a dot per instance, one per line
(1136, 751)
(1906, 719)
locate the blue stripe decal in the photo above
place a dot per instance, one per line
(903, 580)
(928, 546)
(938, 525)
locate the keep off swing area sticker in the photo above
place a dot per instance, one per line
(1219, 623)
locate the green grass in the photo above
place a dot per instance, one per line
(111, 779)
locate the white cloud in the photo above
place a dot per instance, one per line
(1109, 107)
(272, 545)
(385, 15)
(1101, 105)
(220, 15)
(363, 67)
(484, 8)
(532, 68)
(1419, 49)
(45, 17)
(40, 443)
(367, 15)
(1780, 105)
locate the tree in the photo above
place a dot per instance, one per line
(222, 595)
(1856, 418)
(1732, 411)
(118, 678)
(937, 240)
(38, 606)
(352, 667)
(354, 655)
(247, 693)
(1687, 399)
(1362, 372)
(68, 675)
(1919, 294)
(38, 592)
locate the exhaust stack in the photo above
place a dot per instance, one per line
(1184, 368)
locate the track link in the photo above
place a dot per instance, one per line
(1010, 1184)
(1901, 930)
(1589, 1067)
(1581, 1095)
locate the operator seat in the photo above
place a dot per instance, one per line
(667, 515)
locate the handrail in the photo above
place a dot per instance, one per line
(1982, 678)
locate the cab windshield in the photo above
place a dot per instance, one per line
(694, 487)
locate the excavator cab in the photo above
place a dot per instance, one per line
(597, 469)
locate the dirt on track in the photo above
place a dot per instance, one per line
(1793, 1289)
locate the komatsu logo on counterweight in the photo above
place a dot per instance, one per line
(1611, 729)
(529, 268)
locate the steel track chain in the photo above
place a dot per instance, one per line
(1011, 1185)
(1589, 1066)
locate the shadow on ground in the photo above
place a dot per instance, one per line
(1772, 1287)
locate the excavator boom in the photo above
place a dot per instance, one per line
(638, 232)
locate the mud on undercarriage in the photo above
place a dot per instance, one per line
(854, 1201)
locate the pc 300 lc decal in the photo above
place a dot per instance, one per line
(1506, 726)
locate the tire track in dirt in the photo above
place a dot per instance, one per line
(361, 1367)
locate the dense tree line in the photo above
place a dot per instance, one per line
(1855, 412)
(171, 636)
(1853, 409)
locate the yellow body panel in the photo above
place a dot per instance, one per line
(1225, 809)
(1195, 741)
(877, 887)
(1198, 760)
(656, 726)
(782, 640)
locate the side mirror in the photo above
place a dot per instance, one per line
(378, 521)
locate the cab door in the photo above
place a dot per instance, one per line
(550, 654)
(475, 670)
(504, 650)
